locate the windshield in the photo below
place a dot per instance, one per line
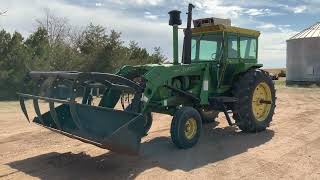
(206, 48)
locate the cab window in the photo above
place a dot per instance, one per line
(248, 48)
(206, 48)
(232, 47)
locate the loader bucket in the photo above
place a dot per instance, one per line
(116, 130)
(105, 127)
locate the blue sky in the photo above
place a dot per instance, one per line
(146, 21)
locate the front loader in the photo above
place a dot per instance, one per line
(218, 72)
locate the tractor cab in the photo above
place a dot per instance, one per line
(212, 42)
(229, 49)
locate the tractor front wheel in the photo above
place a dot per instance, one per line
(255, 107)
(186, 127)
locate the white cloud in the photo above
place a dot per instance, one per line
(138, 2)
(261, 12)
(266, 26)
(98, 4)
(149, 15)
(311, 8)
(299, 9)
(215, 7)
(151, 2)
(258, 12)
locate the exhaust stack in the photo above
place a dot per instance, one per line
(186, 56)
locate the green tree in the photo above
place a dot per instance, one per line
(12, 64)
(102, 51)
(157, 56)
(93, 49)
(5, 39)
(39, 49)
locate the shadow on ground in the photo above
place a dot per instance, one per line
(215, 145)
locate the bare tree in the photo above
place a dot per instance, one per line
(58, 27)
(75, 36)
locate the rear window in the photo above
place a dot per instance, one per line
(232, 47)
(248, 48)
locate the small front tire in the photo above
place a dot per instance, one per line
(186, 127)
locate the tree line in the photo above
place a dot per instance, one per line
(58, 46)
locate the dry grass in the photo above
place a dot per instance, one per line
(281, 83)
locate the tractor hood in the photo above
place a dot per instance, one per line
(159, 77)
(154, 72)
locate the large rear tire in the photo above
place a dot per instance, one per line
(255, 107)
(186, 127)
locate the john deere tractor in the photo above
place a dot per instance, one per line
(218, 72)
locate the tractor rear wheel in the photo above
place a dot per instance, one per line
(255, 107)
(186, 127)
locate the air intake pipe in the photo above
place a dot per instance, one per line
(186, 56)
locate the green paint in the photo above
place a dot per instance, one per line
(175, 45)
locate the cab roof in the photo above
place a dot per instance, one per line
(224, 28)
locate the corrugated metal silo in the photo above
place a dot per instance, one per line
(303, 56)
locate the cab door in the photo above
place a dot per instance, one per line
(229, 65)
(208, 48)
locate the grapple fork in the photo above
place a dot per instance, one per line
(102, 125)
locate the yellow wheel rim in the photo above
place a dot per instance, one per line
(261, 101)
(190, 129)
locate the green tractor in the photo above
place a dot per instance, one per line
(218, 72)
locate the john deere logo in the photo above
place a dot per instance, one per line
(186, 69)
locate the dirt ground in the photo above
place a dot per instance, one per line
(289, 149)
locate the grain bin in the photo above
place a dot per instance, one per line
(303, 56)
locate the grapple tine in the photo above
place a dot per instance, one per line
(85, 96)
(37, 110)
(23, 107)
(72, 106)
(54, 115)
(74, 116)
(53, 111)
